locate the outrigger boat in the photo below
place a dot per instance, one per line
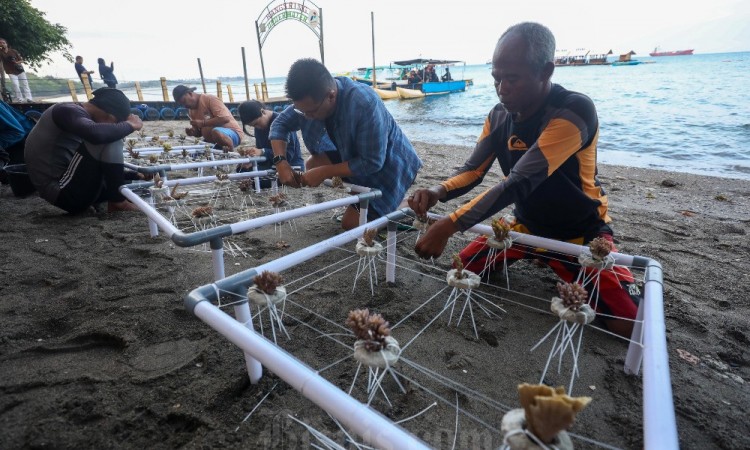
(387, 94)
(385, 75)
(398, 86)
(431, 87)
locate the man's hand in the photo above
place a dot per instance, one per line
(286, 175)
(423, 199)
(432, 243)
(198, 124)
(313, 177)
(254, 151)
(135, 122)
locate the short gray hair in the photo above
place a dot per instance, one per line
(540, 42)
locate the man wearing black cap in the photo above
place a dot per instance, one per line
(209, 117)
(74, 154)
(253, 114)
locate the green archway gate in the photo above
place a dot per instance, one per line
(277, 11)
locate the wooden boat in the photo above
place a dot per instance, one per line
(582, 57)
(406, 94)
(386, 94)
(626, 60)
(632, 62)
(432, 87)
(386, 76)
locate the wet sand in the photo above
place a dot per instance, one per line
(98, 351)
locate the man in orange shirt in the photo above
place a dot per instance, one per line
(209, 117)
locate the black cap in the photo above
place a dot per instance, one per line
(180, 90)
(250, 110)
(112, 101)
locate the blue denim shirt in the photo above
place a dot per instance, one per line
(379, 154)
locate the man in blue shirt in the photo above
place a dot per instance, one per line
(81, 71)
(371, 150)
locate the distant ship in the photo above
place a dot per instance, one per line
(656, 52)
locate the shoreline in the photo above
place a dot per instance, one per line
(98, 350)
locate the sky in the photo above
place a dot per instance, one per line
(149, 39)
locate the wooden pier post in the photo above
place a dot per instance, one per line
(203, 81)
(164, 91)
(229, 91)
(87, 87)
(244, 67)
(138, 91)
(218, 90)
(72, 87)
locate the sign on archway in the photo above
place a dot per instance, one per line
(277, 11)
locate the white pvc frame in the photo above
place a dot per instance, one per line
(648, 345)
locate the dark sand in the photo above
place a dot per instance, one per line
(98, 352)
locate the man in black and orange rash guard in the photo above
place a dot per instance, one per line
(544, 139)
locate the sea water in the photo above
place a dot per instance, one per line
(681, 113)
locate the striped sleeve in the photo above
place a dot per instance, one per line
(475, 168)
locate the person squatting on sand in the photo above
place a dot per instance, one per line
(544, 139)
(209, 117)
(253, 114)
(74, 154)
(371, 150)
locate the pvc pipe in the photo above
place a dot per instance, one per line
(160, 149)
(150, 212)
(193, 165)
(217, 257)
(634, 357)
(241, 227)
(243, 316)
(374, 429)
(153, 229)
(390, 265)
(352, 187)
(257, 179)
(549, 244)
(659, 424)
(206, 179)
(363, 206)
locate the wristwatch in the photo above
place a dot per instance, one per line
(278, 158)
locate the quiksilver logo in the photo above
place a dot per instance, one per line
(514, 143)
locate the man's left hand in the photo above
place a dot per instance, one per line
(433, 243)
(197, 123)
(313, 177)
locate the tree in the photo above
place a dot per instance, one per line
(26, 30)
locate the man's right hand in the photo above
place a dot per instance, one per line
(423, 199)
(286, 175)
(135, 122)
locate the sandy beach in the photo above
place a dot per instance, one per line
(99, 352)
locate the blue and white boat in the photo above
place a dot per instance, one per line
(420, 65)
